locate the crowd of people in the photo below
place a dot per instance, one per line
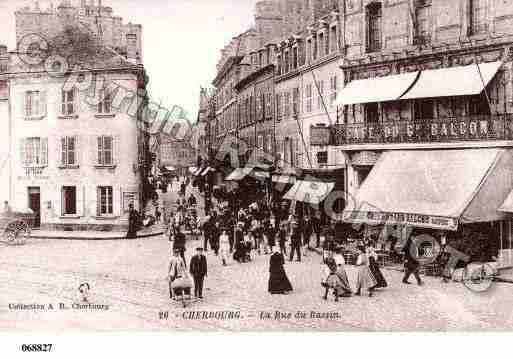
(257, 230)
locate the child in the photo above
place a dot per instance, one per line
(224, 246)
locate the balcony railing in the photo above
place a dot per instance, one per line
(453, 129)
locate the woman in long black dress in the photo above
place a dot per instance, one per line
(278, 281)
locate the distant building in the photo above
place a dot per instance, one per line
(177, 152)
(78, 149)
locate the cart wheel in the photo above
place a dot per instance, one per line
(17, 232)
(10, 235)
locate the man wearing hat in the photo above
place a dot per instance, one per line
(198, 270)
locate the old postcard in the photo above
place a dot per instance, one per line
(256, 165)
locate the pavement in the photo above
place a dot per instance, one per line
(156, 230)
(130, 277)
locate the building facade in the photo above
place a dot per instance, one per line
(428, 82)
(77, 142)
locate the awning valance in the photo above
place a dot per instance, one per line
(309, 192)
(453, 81)
(377, 89)
(434, 189)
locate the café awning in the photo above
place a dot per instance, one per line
(377, 89)
(434, 189)
(309, 192)
(453, 81)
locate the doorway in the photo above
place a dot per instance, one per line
(34, 199)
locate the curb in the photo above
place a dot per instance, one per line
(112, 238)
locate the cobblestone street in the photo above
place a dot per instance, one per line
(130, 277)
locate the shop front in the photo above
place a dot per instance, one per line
(456, 196)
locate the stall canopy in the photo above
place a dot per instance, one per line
(377, 89)
(453, 81)
(239, 173)
(309, 192)
(170, 168)
(434, 189)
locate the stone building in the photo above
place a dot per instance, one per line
(425, 119)
(78, 144)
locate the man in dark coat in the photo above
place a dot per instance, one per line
(133, 222)
(179, 243)
(198, 270)
(307, 231)
(295, 242)
(411, 264)
(316, 227)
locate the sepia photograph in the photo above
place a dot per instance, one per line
(258, 166)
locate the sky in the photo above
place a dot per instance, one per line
(182, 40)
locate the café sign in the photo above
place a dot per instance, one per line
(405, 219)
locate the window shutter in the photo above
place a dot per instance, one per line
(98, 201)
(23, 154)
(80, 200)
(44, 151)
(63, 147)
(99, 155)
(116, 150)
(44, 105)
(78, 153)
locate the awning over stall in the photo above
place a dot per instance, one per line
(309, 192)
(377, 89)
(453, 81)
(239, 173)
(434, 189)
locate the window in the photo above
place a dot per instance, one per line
(322, 158)
(105, 105)
(278, 107)
(105, 153)
(295, 59)
(268, 106)
(286, 106)
(478, 16)
(371, 113)
(279, 65)
(320, 99)
(309, 50)
(286, 66)
(68, 102)
(333, 39)
(308, 96)
(321, 44)
(68, 151)
(34, 152)
(374, 27)
(295, 101)
(423, 25)
(105, 201)
(314, 49)
(69, 201)
(35, 104)
(333, 88)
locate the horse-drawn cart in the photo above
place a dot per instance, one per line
(15, 226)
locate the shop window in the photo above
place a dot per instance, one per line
(374, 27)
(69, 201)
(105, 201)
(371, 113)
